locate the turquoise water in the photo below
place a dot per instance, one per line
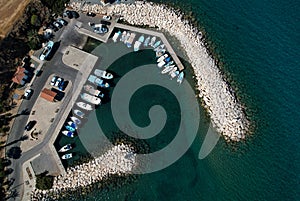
(258, 44)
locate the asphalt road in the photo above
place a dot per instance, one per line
(64, 37)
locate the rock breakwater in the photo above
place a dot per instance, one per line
(227, 114)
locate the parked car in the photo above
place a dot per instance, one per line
(58, 81)
(63, 85)
(101, 29)
(58, 25)
(54, 28)
(90, 14)
(75, 14)
(28, 93)
(53, 80)
(106, 17)
(68, 14)
(105, 22)
(30, 125)
(62, 21)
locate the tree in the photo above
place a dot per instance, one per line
(14, 152)
(44, 181)
(34, 39)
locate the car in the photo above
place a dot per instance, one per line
(68, 14)
(28, 93)
(30, 125)
(54, 28)
(62, 21)
(53, 80)
(63, 85)
(58, 81)
(106, 17)
(105, 22)
(75, 14)
(100, 29)
(58, 25)
(90, 14)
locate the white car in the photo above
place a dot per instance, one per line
(53, 80)
(106, 17)
(28, 94)
(58, 81)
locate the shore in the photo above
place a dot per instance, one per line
(226, 112)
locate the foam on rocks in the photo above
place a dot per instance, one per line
(226, 112)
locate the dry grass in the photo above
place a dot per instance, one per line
(10, 12)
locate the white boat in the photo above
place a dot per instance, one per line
(75, 120)
(161, 64)
(68, 133)
(90, 98)
(67, 156)
(160, 52)
(72, 124)
(160, 59)
(79, 113)
(116, 36)
(93, 91)
(126, 38)
(153, 39)
(159, 48)
(167, 69)
(65, 148)
(130, 40)
(103, 74)
(122, 39)
(173, 70)
(146, 43)
(180, 77)
(84, 106)
(156, 44)
(99, 82)
(138, 43)
(174, 74)
(169, 64)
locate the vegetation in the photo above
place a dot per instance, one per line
(56, 6)
(44, 181)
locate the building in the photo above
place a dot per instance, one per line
(48, 95)
(20, 76)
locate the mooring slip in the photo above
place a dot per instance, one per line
(226, 112)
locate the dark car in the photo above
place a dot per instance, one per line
(68, 14)
(105, 22)
(63, 85)
(30, 125)
(57, 24)
(75, 14)
(62, 21)
(54, 28)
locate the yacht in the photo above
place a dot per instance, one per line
(160, 59)
(161, 64)
(126, 37)
(70, 128)
(159, 48)
(156, 44)
(180, 77)
(167, 69)
(99, 82)
(122, 39)
(72, 124)
(65, 148)
(67, 156)
(138, 43)
(146, 43)
(174, 74)
(103, 74)
(93, 91)
(116, 36)
(79, 113)
(153, 39)
(160, 52)
(84, 106)
(68, 133)
(75, 120)
(91, 99)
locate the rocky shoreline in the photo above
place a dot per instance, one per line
(119, 160)
(226, 112)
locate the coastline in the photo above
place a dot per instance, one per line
(226, 112)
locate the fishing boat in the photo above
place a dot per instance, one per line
(138, 43)
(68, 133)
(84, 106)
(79, 113)
(75, 120)
(46, 51)
(67, 156)
(99, 82)
(167, 69)
(153, 39)
(156, 44)
(180, 77)
(116, 36)
(122, 39)
(70, 128)
(160, 59)
(91, 99)
(65, 148)
(103, 74)
(93, 91)
(146, 43)
(175, 74)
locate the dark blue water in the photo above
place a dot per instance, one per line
(258, 44)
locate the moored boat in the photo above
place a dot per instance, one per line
(93, 91)
(79, 113)
(160, 52)
(174, 74)
(159, 48)
(65, 148)
(103, 74)
(127, 37)
(84, 105)
(153, 39)
(99, 82)
(146, 43)
(160, 59)
(75, 120)
(161, 64)
(180, 77)
(122, 39)
(68, 133)
(70, 128)
(156, 44)
(116, 36)
(91, 99)
(136, 46)
(167, 69)
(67, 156)
(72, 124)
(130, 40)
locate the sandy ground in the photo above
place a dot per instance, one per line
(10, 12)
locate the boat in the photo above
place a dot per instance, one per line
(93, 91)
(79, 113)
(167, 60)
(126, 37)
(180, 77)
(103, 74)
(138, 43)
(67, 156)
(46, 51)
(161, 64)
(162, 58)
(65, 148)
(75, 120)
(116, 36)
(68, 133)
(160, 52)
(84, 105)
(173, 70)
(170, 63)
(70, 128)
(175, 74)
(99, 82)
(159, 48)
(152, 41)
(146, 43)
(122, 39)
(91, 99)
(156, 44)
(72, 124)
(167, 69)
(130, 40)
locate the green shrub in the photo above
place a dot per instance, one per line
(44, 181)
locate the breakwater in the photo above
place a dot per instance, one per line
(119, 160)
(226, 112)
